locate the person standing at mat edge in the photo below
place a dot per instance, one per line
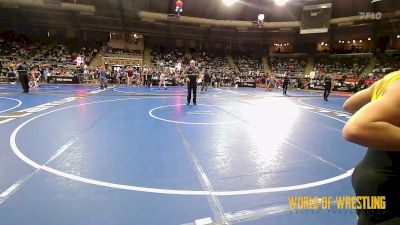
(376, 125)
(23, 77)
(285, 85)
(102, 78)
(192, 74)
(206, 81)
(328, 86)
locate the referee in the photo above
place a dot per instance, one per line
(328, 86)
(206, 81)
(286, 81)
(23, 77)
(192, 74)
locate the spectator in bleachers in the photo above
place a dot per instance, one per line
(387, 63)
(248, 64)
(346, 65)
(125, 51)
(293, 65)
(250, 68)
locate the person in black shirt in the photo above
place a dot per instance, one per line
(149, 77)
(328, 86)
(155, 76)
(192, 74)
(344, 77)
(80, 73)
(361, 84)
(23, 77)
(206, 81)
(286, 81)
(217, 80)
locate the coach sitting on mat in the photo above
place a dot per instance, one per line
(192, 74)
(376, 125)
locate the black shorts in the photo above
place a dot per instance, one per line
(378, 175)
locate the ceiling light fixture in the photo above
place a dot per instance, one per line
(281, 2)
(261, 17)
(229, 2)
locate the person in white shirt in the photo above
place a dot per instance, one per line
(162, 80)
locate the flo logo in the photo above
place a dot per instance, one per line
(370, 15)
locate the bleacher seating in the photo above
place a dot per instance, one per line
(341, 64)
(294, 65)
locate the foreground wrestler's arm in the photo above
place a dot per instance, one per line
(358, 100)
(377, 124)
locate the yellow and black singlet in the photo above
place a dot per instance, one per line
(378, 174)
(382, 85)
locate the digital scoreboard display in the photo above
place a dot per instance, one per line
(315, 18)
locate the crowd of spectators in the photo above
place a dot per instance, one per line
(109, 50)
(346, 49)
(18, 46)
(58, 54)
(62, 55)
(215, 63)
(8, 69)
(341, 65)
(211, 60)
(387, 63)
(287, 65)
(248, 64)
(59, 60)
(168, 58)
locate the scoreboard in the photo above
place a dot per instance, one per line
(315, 18)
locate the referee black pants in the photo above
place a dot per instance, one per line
(205, 86)
(192, 87)
(285, 87)
(23, 78)
(327, 91)
(148, 81)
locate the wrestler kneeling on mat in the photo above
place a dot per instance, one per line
(376, 125)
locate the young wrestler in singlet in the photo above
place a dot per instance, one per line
(376, 125)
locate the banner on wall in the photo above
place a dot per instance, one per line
(122, 61)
